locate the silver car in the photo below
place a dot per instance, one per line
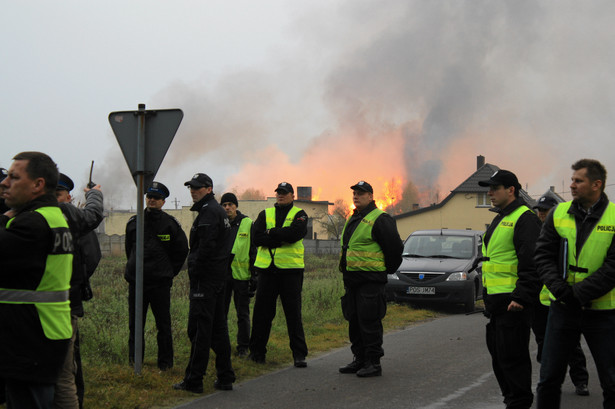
(437, 266)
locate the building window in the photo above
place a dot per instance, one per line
(482, 200)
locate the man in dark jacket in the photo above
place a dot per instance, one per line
(577, 363)
(511, 286)
(239, 281)
(164, 251)
(575, 255)
(35, 270)
(69, 391)
(278, 233)
(210, 247)
(371, 249)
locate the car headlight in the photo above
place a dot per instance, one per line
(461, 276)
(393, 276)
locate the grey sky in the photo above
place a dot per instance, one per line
(318, 93)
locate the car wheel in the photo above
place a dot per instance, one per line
(470, 302)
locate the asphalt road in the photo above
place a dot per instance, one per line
(439, 364)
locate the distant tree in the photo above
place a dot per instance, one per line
(334, 223)
(252, 194)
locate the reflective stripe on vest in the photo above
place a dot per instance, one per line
(289, 255)
(363, 253)
(500, 271)
(593, 252)
(51, 295)
(240, 266)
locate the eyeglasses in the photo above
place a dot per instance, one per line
(153, 197)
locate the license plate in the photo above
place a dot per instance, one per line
(421, 290)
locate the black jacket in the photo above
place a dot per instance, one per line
(165, 249)
(384, 232)
(210, 243)
(547, 256)
(276, 236)
(87, 254)
(25, 353)
(528, 284)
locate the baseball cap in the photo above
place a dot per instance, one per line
(285, 187)
(363, 185)
(545, 203)
(200, 180)
(501, 177)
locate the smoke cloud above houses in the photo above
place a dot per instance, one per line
(407, 92)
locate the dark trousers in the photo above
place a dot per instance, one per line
(207, 328)
(577, 363)
(364, 307)
(239, 291)
(508, 338)
(159, 298)
(26, 395)
(564, 329)
(288, 287)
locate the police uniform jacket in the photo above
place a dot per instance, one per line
(276, 236)
(210, 243)
(165, 249)
(234, 229)
(528, 284)
(386, 235)
(547, 257)
(87, 254)
(25, 353)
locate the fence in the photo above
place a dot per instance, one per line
(114, 245)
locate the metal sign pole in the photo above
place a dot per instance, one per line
(140, 240)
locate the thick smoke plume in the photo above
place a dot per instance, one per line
(409, 91)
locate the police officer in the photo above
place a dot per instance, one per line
(577, 363)
(164, 252)
(575, 255)
(278, 233)
(210, 247)
(511, 286)
(239, 281)
(371, 249)
(69, 391)
(3, 206)
(35, 270)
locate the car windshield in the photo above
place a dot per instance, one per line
(439, 246)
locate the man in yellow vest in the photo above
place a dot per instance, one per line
(35, 269)
(239, 282)
(371, 249)
(278, 233)
(575, 256)
(511, 286)
(577, 363)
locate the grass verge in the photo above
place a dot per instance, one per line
(111, 382)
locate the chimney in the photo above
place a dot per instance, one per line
(304, 193)
(480, 162)
(552, 188)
